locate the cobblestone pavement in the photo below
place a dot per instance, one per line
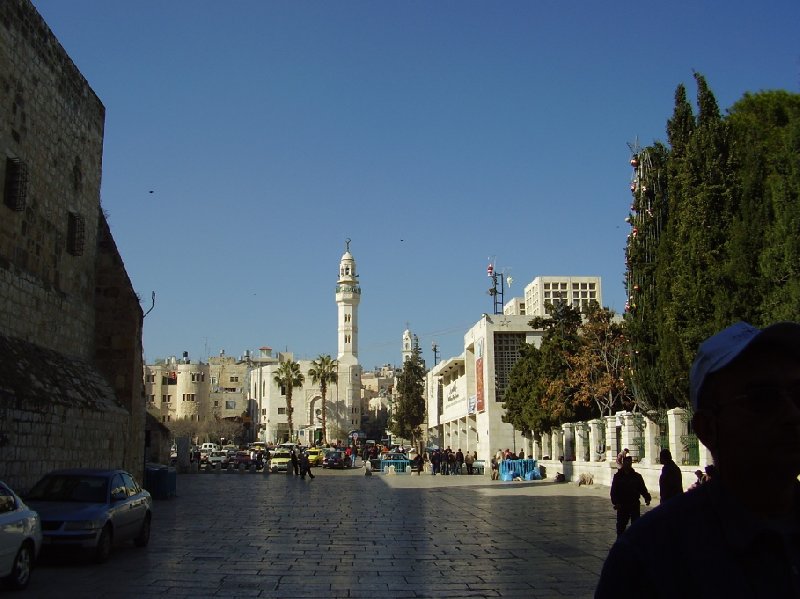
(348, 535)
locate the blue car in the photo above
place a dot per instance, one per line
(91, 509)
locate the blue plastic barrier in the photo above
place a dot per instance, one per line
(524, 469)
(399, 465)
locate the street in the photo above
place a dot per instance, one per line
(347, 535)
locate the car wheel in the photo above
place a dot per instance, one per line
(23, 564)
(103, 549)
(143, 538)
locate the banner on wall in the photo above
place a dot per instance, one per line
(480, 404)
(473, 404)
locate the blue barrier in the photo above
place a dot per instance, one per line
(399, 465)
(524, 469)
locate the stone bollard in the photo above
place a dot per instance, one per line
(240, 469)
(217, 468)
(391, 470)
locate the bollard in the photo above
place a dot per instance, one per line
(217, 468)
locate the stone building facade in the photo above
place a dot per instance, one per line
(70, 323)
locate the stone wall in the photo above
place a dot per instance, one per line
(71, 389)
(118, 341)
(58, 436)
(51, 145)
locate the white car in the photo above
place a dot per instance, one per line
(20, 539)
(218, 457)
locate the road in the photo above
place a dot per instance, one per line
(343, 534)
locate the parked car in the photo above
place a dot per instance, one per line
(242, 458)
(92, 509)
(280, 460)
(20, 539)
(315, 457)
(336, 459)
(218, 458)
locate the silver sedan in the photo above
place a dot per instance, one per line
(20, 539)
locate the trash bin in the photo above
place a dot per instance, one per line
(160, 481)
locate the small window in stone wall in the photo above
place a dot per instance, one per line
(15, 193)
(76, 234)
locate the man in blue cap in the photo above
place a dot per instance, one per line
(739, 534)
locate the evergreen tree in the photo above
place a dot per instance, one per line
(409, 409)
(766, 127)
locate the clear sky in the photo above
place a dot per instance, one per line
(245, 141)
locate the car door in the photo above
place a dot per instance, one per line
(120, 509)
(11, 529)
(138, 504)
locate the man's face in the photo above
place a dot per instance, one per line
(754, 406)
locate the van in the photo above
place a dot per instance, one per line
(208, 447)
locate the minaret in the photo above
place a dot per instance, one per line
(348, 295)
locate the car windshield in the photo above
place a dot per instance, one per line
(335, 454)
(71, 487)
(281, 454)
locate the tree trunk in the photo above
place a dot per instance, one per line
(324, 418)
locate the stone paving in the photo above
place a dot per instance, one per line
(347, 535)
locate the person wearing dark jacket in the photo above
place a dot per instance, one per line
(670, 483)
(626, 487)
(734, 535)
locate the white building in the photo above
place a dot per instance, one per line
(343, 400)
(575, 291)
(465, 393)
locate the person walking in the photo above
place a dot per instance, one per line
(670, 483)
(459, 460)
(626, 487)
(295, 463)
(469, 460)
(737, 534)
(305, 466)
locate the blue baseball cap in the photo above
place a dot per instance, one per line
(719, 350)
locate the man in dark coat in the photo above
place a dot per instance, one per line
(735, 535)
(670, 483)
(295, 463)
(626, 487)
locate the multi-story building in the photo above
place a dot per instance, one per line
(574, 291)
(178, 388)
(465, 393)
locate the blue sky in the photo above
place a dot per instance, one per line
(434, 135)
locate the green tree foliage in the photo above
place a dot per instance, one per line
(324, 372)
(767, 150)
(409, 408)
(288, 376)
(725, 247)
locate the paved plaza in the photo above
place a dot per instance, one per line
(348, 535)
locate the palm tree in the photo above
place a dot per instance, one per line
(324, 372)
(288, 376)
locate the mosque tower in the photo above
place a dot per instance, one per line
(348, 295)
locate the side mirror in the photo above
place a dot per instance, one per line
(119, 495)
